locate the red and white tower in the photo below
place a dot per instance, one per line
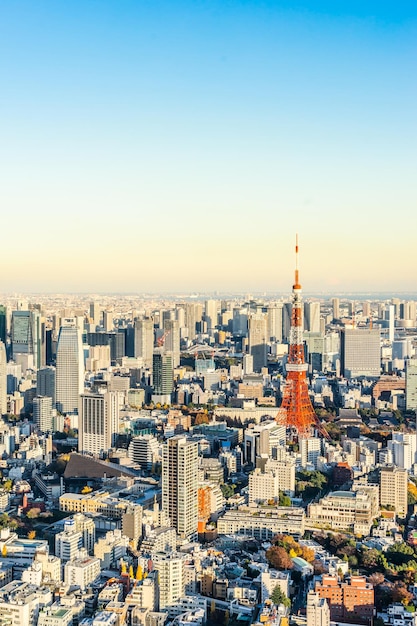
(299, 414)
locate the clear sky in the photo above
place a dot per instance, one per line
(180, 145)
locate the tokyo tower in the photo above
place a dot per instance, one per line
(299, 414)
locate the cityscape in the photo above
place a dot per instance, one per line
(208, 313)
(204, 461)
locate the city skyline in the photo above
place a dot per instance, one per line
(167, 147)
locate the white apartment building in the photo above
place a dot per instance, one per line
(81, 571)
(318, 612)
(170, 568)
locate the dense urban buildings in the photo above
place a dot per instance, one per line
(150, 443)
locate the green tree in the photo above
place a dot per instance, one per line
(279, 597)
(228, 490)
(284, 500)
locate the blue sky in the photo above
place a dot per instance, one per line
(180, 145)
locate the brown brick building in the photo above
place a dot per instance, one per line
(352, 600)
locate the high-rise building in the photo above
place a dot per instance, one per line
(3, 379)
(98, 422)
(95, 313)
(258, 341)
(42, 413)
(170, 568)
(393, 484)
(391, 322)
(172, 340)
(3, 324)
(360, 352)
(274, 322)
(336, 308)
(318, 613)
(28, 338)
(211, 314)
(45, 382)
(69, 367)
(180, 483)
(312, 317)
(163, 374)
(108, 322)
(411, 385)
(144, 340)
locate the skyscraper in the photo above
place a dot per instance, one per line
(411, 385)
(45, 383)
(28, 338)
(172, 340)
(257, 341)
(144, 340)
(360, 352)
(98, 422)
(42, 413)
(336, 308)
(3, 379)
(163, 375)
(69, 367)
(179, 484)
(312, 316)
(3, 324)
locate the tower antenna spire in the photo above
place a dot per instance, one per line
(297, 280)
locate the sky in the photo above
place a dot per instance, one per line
(152, 145)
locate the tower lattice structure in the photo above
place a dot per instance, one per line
(296, 411)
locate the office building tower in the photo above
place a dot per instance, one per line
(3, 379)
(42, 413)
(3, 324)
(211, 314)
(172, 340)
(191, 318)
(274, 322)
(336, 308)
(360, 352)
(286, 321)
(108, 322)
(95, 313)
(69, 367)
(180, 483)
(257, 341)
(312, 317)
(144, 340)
(45, 383)
(28, 339)
(411, 385)
(391, 322)
(163, 375)
(318, 613)
(98, 422)
(393, 483)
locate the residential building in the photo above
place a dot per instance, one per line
(393, 484)
(180, 483)
(98, 422)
